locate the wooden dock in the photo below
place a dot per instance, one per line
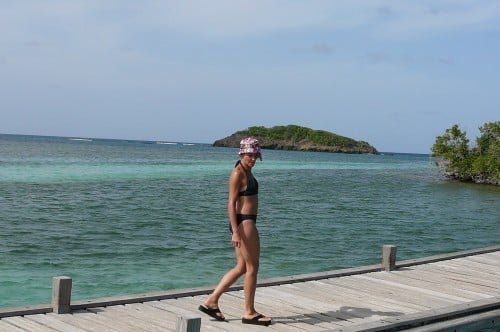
(451, 292)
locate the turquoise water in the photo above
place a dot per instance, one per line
(124, 217)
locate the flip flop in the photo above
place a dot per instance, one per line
(212, 313)
(255, 320)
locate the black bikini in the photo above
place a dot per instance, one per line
(251, 190)
(252, 184)
(252, 187)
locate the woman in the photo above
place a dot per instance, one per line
(242, 208)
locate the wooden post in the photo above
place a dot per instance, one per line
(188, 323)
(389, 257)
(61, 294)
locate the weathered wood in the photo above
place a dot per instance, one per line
(389, 257)
(424, 280)
(28, 325)
(472, 323)
(448, 256)
(53, 321)
(88, 321)
(426, 317)
(149, 314)
(190, 323)
(61, 294)
(127, 322)
(6, 327)
(26, 310)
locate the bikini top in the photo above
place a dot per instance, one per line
(252, 185)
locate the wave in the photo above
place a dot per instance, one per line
(81, 139)
(168, 143)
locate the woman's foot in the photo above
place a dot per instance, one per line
(258, 319)
(213, 312)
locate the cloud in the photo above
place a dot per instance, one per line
(423, 17)
(236, 19)
(114, 20)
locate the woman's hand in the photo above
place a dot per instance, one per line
(236, 240)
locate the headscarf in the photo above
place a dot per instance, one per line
(250, 145)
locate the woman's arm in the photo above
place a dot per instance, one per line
(234, 189)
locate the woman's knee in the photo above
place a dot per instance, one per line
(240, 269)
(252, 268)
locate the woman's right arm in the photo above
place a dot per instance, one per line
(234, 188)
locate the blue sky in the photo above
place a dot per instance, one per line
(393, 73)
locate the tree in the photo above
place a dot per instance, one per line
(487, 162)
(480, 164)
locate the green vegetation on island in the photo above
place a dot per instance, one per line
(478, 164)
(293, 137)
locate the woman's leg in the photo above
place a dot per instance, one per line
(250, 251)
(212, 302)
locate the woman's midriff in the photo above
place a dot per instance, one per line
(246, 209)
(247, 205)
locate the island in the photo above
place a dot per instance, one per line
(293, 137)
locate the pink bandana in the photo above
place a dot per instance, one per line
(250, 145)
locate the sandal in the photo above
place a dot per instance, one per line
(256, 320)
(214, 313)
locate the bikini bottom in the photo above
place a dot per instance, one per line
(241, 217)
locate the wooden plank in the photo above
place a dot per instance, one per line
(438, 283)
(359, 309)
(453, 273)
(489, 260)
(488, 271)
(470, 282)
(232, 323)
(55, 323)
(487, 321)
(123, 321)
(206, 323)
(282, 315)
(285, 317)
(6, 327)
(87, 320)
(321, 311)
(378, 295)
(449, 256)
(417, 280)
(426, 317)
(25, 310)
(348, 299)
(417, 290)
(154, 316)
(389, 292)
(233, 305)
(28, 324)
(470, 267)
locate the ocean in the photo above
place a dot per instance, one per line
(125, 217)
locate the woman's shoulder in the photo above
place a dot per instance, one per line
(237, 172)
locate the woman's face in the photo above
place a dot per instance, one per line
(249, 159)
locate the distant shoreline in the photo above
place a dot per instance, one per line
(147, 141)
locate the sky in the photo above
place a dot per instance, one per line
(395, 74)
